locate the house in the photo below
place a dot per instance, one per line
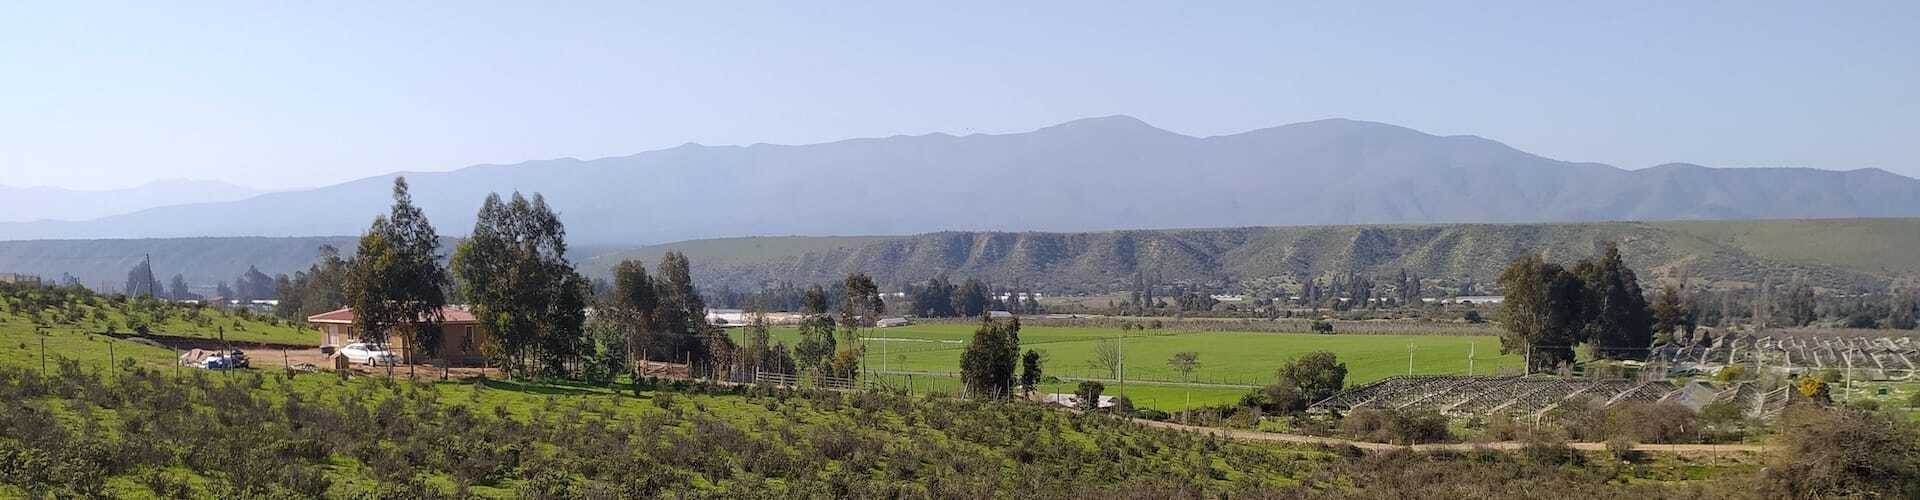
(19, 278)
(460, 335)
(1479, 299)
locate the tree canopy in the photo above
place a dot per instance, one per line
(515, 274)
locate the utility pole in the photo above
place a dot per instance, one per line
(1409, 359)
(1470, 352)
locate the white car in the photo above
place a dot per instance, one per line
(369, 354)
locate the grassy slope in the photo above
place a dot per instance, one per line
(1870, 245)
(236, 328)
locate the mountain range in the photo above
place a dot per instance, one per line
(1085, 175)
(1849, 255)
(42, 203)
(1845, 255)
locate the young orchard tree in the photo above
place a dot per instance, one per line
(396, 282)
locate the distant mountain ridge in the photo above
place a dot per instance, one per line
(39, 203)
(1836, 254)
(1084, 175)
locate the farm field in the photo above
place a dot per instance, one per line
(1238, 358)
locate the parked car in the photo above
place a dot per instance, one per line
(369, 354)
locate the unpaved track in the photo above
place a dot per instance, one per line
(1242, 435)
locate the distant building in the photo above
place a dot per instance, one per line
(1478, 299)
(1228, 297)
(727, 317)
(19, 278)
(460, 334)
(999, 314)
(892, 322)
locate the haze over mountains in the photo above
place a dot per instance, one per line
(22, 204)
(1098, 173)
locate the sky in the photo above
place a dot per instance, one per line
(283, 95)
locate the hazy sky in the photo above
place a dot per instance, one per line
(292, 94)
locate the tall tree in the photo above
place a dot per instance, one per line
(1673, 314)
(256, 285)
(815, 349)
(1541, 312)
(682, 313)
(1616, 308)
(934, 299)
(177, 290)
(631, 303)
(1031, 370)
(140, 280)
(971, 299)
(397, 281)
(862, 305)
(321, 288)
(514, 272)
(1796, 306)
(988, 363)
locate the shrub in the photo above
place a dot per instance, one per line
(1622, 449)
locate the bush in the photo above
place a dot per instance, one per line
(1322, 327)
(1398, 427)
(1838, 452)
(1622, 449)
(1088, 394)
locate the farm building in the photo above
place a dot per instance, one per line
(460, 335)
(892, 322)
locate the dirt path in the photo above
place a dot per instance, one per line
(1243, 435)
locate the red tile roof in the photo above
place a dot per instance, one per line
(448, 315)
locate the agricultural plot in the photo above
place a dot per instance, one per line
(1229, 361)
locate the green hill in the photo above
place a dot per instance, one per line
(1840, 254)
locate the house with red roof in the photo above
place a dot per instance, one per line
(460, 335)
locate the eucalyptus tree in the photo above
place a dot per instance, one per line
(514, 272)
(395, 281)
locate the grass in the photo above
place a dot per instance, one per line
(1241, 358)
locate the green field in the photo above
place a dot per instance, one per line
(1225, 357)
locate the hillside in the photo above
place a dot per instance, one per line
(1085, 175)
(1735, 253)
